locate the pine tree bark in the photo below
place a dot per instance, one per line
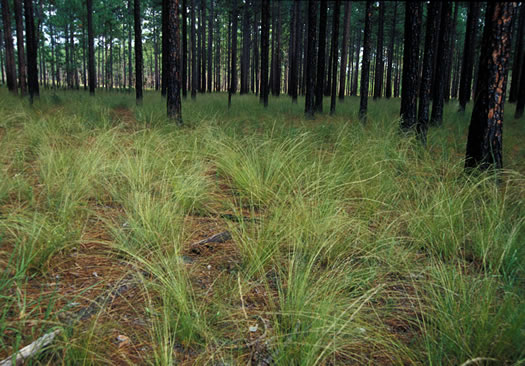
(321, 67)
(10, 66)
(468, 55)
(245, 57)
(310, 60)
(413, 15)
(365, 67)
(353, 92)
(448, 72)
(202, 40)
(22, 83)
(194, 80)
(233, 73)
(334, 47)
(31, 46)
(380, 63)
(184, 63)
(344, 51)
(91, 48)
(276, 89)
(520, 105)
(293, 53)
(518, 56)
(484, 144)
(433, 18)
(164, 46)
(265, 39)
(443, 56)
(390, 55)
(2, 74)
(210, 47)
(138, 52)
(173, 57)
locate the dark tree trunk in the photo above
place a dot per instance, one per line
(455, 79)
(210, 48)
(433, 18)
(344, 51)
(335, 42)
(520, 105)
(10, 66)
(276, 89)
(443, 55)
(233, 72)
(202, 41)
(2, 55)
(184, 73)
(390, 56)
(448, 72)
(310, 59)
(353, 92)
(484, 144)
(138, 51)
(380, 63)
(91, 48)
(265, 39)
(31, 46)
(256, 53)
(518, 56)
(413, 15)
(468, 55)
(173, 75)
(365, 67)
(164, 50)
(130, 64)
(321, 57)
(294, 54)
(22, 83)
(194, 81)
(245, 57)
(218, 59)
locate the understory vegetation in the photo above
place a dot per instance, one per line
(349, 244)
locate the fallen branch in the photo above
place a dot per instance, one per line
(31, 349)
(217, 238)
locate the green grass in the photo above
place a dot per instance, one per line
(351, 245)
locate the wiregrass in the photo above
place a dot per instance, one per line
(352, 244)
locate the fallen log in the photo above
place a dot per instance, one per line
(217, 238)
(30, 350)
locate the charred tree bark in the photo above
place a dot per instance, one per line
(517, 70)
(390, 56)
(173, 75)
(194, 81)
(10, 66)
(484, 144)
(365, 67)
(413, 14)
(468, 55)
(321, 57)
(443, 56)
(380, 64)
(310, 59)
(91, 49)
(265, 39)
(22, 83)
(31, 46)
(434, 15)
(334, 47)
(233, 73)
(344, 51)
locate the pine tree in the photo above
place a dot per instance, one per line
(10, 67)
(138, 51)
(91, 48)
(31, 46)
(22, 82)
(265, 38)
(344, 51)
(310, 60)
(390, 54)
(380, 64)
(321, 57)
(365, 67)
(173, 61)
(468, 55)
(334, 48)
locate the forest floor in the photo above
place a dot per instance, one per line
(332, 243)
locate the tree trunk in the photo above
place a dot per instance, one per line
(353, 92)
(484, 144)
(138, 51)
(245, 57)
(194, 80)
(518, 56)
(344, 51)
(277, 65)
(233, 73)
(448, 72)
(164, 46)
(91, 48)
(443, 56)
(173, 58)
(390, 56)
(265, 38)
(365, 68)
(310, 59)
(468, 55)
(210, 47)
(10, 66)
(433, 18)
(22, 83)
(321, 57)
(520, 105)
(202, 42)
(380, 64)
(335, 42)
(130, 64)
(31, 46)
(413, 15)
(2, 55)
